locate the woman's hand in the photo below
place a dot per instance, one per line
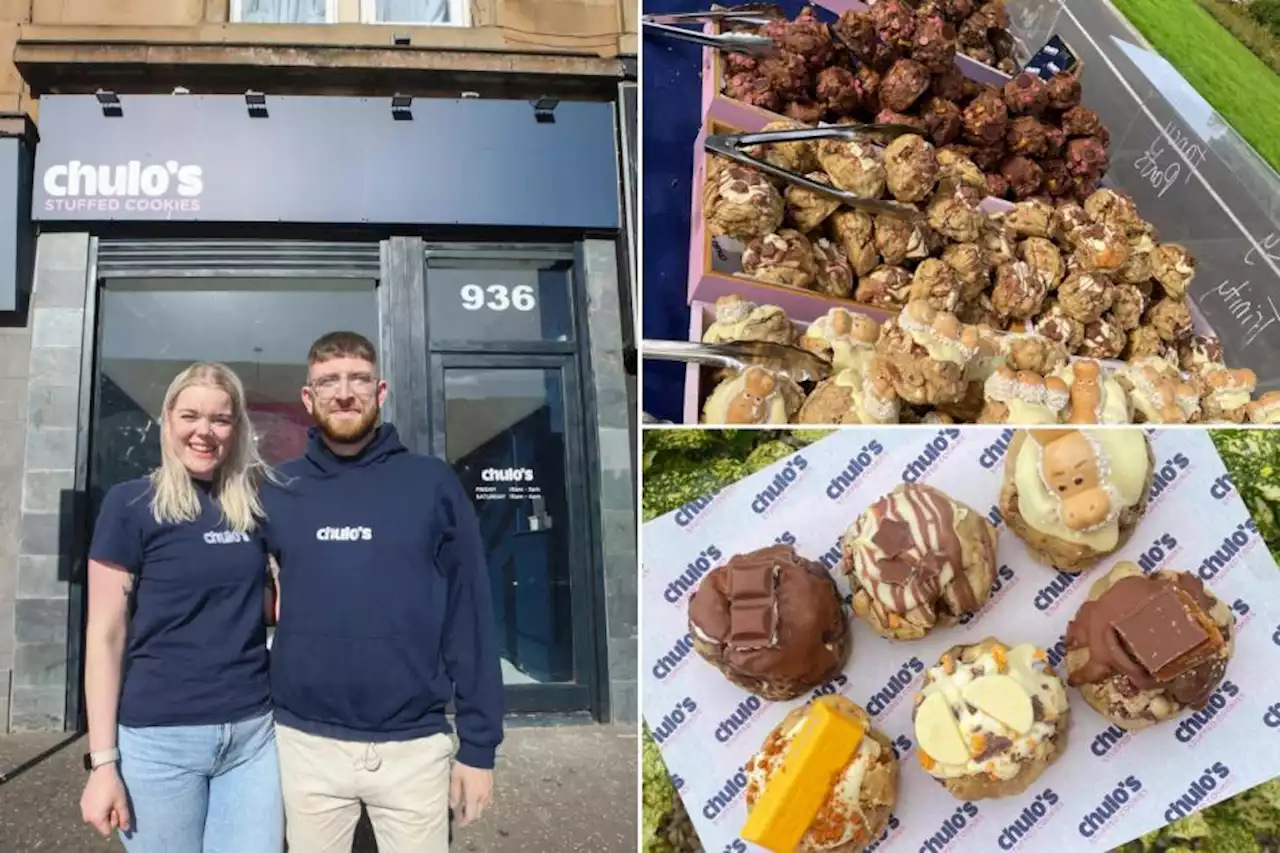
(104, 805)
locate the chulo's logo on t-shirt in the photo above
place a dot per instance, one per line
(344, 534)
(76, 185)
(225, 537)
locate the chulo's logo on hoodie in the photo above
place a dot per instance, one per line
(344, 534)
(128, 186)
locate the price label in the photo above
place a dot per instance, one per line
(498, 297)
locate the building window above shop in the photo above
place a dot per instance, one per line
(284, 11)
(453, 13)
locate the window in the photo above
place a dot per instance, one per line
(150, 329)
(451, 13)
(284, 11)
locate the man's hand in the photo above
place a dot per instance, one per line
(470, 791)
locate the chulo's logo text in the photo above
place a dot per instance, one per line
(1117, 800)
(888, 696)
(1220, 702)
(782, 481)
(687, 581)
(1211, 781)
(937, 449)
(1166, 475)
(507, 475)
(130, 186)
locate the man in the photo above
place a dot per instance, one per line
(385, 615)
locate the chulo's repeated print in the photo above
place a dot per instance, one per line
(1109, 786)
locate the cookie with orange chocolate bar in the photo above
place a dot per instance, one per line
(990, 719)
(824, 781)
(917, 560)
(1144, 648)
(771, 621)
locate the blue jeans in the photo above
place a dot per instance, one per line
(203, 789)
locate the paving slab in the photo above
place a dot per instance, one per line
(559, 788)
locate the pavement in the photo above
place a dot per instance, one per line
(558, 788)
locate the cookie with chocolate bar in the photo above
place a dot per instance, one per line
(839, 787)
(1076, 495)
(771, 621)
(990, 719)
(1144, 648)
(917, 560)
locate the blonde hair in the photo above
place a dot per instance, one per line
(235, 482)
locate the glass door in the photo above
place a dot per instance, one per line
(510, 425)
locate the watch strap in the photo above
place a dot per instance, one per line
(94, 760)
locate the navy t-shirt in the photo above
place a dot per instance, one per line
(197, 639)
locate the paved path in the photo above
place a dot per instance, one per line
(559, 789)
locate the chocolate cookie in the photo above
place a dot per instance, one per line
(771, 621)
(917, 560)
(1144, 648)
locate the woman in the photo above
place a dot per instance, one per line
(181, 741)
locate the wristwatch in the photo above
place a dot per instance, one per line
(94, 760)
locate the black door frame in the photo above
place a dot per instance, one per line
(579, 694)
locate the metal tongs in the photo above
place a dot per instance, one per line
(800, 364)
(732, 145)
(732, 42)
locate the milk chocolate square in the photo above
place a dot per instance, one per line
(1159, 632)
(751, 624)
(752, 581)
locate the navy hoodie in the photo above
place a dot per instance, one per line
(385, 612)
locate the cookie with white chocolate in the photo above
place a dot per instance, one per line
(990, 719)
(771, 621)
(1096, 396)
(738, 319)
(1159, 392)
(1143, 648)
(928, 353)
(1265, 409)
(842, 337)
(917, 560)
(1227, 393)
(1074, 496)
(862, 394)
(1023, 397)
(829, 745)
(756, 395)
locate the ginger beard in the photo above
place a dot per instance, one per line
(346, 424)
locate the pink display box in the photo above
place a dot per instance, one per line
(715, 263)
(697, 379)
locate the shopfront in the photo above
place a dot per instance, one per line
(478, 242)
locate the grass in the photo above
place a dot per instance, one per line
(1238, 84)
(1264, 43)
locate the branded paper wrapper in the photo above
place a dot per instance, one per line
(1109, 787)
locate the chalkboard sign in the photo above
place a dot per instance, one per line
(1188, 173)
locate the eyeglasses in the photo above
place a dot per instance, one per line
(362, 384)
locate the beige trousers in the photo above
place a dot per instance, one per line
(404, 785)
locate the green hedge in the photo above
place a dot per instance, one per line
(1267, 13)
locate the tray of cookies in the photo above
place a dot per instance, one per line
(1003, 639)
